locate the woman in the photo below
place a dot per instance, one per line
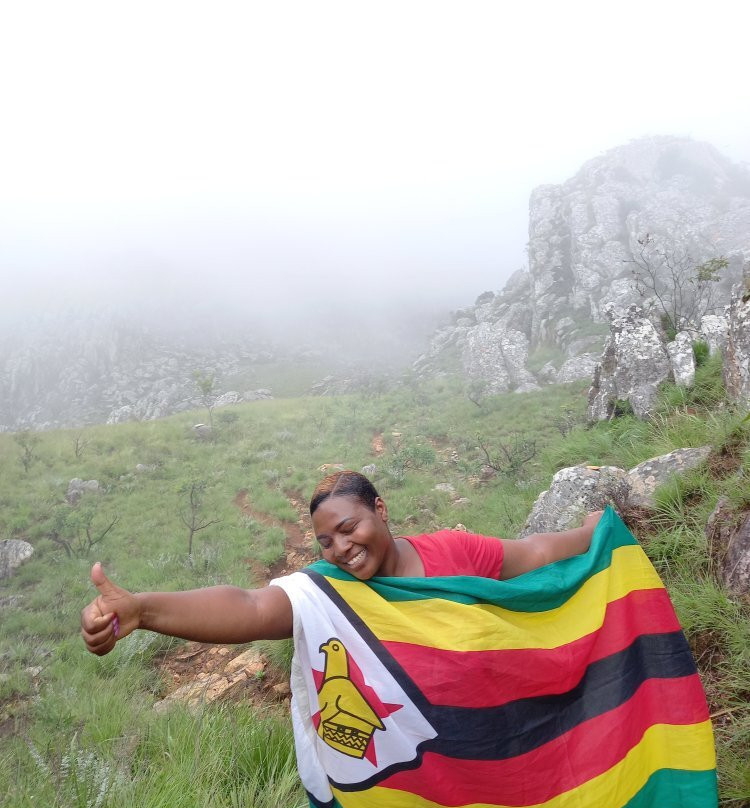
(350, 521)
(431, 671)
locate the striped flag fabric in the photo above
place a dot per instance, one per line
(571, 686)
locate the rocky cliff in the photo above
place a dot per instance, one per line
(584, 237)
(679, 195)
(90, 368)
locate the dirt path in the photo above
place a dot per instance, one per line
(195, 663)
(298, 551)
(377, 444)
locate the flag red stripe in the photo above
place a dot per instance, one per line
(497, 677)
(567, 761)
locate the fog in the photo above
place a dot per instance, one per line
(312, 167)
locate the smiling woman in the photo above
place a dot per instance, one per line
(419, 678)
(351, 524)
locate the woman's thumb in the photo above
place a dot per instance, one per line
(100, 580)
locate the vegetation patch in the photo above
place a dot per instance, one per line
(80, 730)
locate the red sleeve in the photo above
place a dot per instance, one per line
(453, 552)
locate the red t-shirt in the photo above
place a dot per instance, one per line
(453, 552)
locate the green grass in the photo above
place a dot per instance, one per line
(83, 726)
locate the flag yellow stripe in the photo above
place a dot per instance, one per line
(663, 746)
(476, 627)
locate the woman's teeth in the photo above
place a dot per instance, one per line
(358, 559)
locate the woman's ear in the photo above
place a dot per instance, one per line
(381, 508)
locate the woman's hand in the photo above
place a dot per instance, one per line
(217, 614)
(112, 615)
(540, 549)
(592, 520)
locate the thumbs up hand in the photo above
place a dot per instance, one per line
(112, 615)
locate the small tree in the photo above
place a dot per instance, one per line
(79, 530)
(206, 384)
(513, 455)
(28, 443)
(79, 445)
(191, 515)
(475, 392)
(680, 289)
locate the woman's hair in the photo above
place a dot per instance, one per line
(344, 484)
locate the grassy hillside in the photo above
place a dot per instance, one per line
(77, 730)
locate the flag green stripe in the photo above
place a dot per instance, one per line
(677, 787)
(536, 591)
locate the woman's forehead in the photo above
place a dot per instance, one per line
(336, 508)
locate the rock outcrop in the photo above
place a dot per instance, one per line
(681, 359)
(497, 356)
(646, 477)
(489, 342)
(676, 195)
(584, 236)
(574, 492)
(714, 331)
(578, 490)
(584, 233)
(737, 351)
(634, 363)
(84, 368)
(728, 535)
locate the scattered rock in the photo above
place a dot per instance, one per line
(250, 662)
(78, 487)
(229, 398)
(547, 374)
(145, 468)
(202, 431)
(282, 690)
(13, 552)
(646, 477)
(257, 395)
(206, 689)
(446, 488)
(578, 367)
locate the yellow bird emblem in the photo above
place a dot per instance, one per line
(347, 721)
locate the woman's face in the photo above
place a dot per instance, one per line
(354, 538)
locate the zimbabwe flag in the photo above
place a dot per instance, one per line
(569, 687)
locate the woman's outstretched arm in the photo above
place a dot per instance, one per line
(538, 549)
(221, 614)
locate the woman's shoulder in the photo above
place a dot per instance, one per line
(458, 552)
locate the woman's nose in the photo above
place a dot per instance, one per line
(341, 544)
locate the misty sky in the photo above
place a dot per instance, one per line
(331, 155)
